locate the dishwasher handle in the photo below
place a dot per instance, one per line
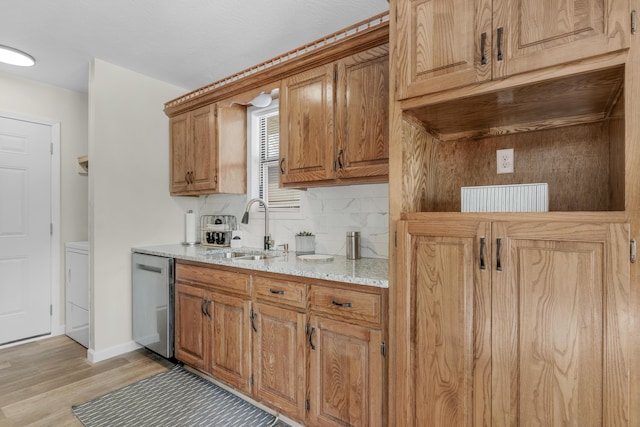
(151, 268)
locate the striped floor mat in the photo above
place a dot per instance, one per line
(173, 398)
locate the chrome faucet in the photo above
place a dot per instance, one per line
(245, 220)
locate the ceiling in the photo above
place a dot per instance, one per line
(188, 43)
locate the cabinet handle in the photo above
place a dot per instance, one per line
(498, 249)
(206, 309)
(253, 316)
(273, 291)
(340, 159)
(204, 301)
(500, 31)
(215, 178)
(191, 177)
(483, 242)
(313, 331)
(341, 304)
(186, 178)
(483, 43)
(281, 168)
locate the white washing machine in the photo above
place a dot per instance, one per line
(77, 291)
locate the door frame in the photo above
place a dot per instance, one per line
(56, 295)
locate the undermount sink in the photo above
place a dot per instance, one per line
(234, 254)
(255, 257)
(246, 256)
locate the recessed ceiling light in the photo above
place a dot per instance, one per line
(12, 56)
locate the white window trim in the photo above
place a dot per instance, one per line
(253, 164)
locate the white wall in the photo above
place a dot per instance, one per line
(129, 201)
(328, 212)
(36, 100)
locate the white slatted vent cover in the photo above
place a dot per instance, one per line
(506, 198)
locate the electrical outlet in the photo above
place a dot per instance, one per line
(504, 160)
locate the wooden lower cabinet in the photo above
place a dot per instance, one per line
(510, 323)
(279, 355)
(346, 374)
(230, 345)
(212, 333)
(191, 337)
(314, 353)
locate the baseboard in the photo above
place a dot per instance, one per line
(96, 356)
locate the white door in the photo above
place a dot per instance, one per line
(25, 236)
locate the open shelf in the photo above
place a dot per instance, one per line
(575, 99)
(567, 132)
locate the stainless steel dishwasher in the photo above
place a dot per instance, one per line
(152, 278)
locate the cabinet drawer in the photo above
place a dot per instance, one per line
(220, 279)
(280, 291)
(346, 303)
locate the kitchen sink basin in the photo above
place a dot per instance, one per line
(255, 257)
(234, 254)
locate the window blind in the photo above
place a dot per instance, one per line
(269, 140)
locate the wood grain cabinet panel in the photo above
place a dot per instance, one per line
(213, 329)
(444, 44)
(230, 345)
(346, 374)
(280, 359)
(510, 323)
(362, 116)
(208, 151)
(334, 122)
(190, 346)
(307, 126)
(346, 304)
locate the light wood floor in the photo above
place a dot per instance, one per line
(40, 381)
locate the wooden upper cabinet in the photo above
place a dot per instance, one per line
(180, 159)
(334, 122)
(443, 44)
(440, 43)
(362, 116)
(541, 33)
(208, 151)
(306, 126)
(508, 323)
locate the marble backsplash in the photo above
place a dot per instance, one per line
(328, 212)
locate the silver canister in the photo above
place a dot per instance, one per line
(353, 245)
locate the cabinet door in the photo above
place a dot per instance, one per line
(362, 115)
(440, 370)
(560, 325)
(346, 374)
(230, 340)
(280, 359)
(439, 44)
(540, 33)
(231, 148)
(306, 127)
(190, 325)
(180, 162)
(203, 147)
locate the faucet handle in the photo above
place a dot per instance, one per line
(285, 247)
(268, 243)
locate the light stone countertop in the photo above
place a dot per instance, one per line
(364, 271)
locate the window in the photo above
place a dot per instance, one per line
(265, 140)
